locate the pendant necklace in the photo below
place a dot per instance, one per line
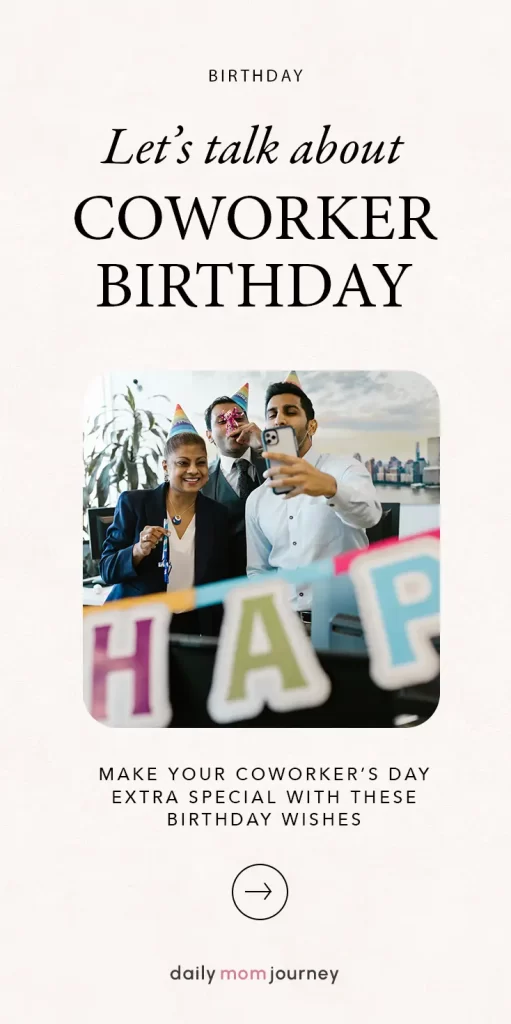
(176, 519)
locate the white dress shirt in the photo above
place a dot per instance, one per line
(290, 534)
(230, 471)
(182, 557)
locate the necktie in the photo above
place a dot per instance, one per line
(245, 484)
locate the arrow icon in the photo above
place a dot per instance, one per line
(261, 880)
(266, 886)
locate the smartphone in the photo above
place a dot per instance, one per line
(280, 439)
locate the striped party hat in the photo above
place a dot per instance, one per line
(241, 398)
(292, 378)
(181, 424)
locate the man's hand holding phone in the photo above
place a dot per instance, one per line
(299, 476)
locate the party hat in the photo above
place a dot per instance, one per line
(181, 424)
(241, 398)
(292, 378)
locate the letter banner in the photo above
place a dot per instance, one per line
(264, 657)
(126, 664)
(398, 594)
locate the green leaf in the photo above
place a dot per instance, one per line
(129, 467)
(92, 479)
(132, 475)
(107, 425)
(120, 472)
(166, 397)
(150, 417)
(159, 434)
(136, 435)
(95, 424)
(94, 463)
(120, 469)
(103, 485)
(150, 475)
(130, 399)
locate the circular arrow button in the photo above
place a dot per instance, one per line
(260, 892)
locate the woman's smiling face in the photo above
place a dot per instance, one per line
(187, 467)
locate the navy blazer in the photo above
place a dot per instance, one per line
(220, 490)
(137, 509)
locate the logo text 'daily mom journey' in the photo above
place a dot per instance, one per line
(261, 974)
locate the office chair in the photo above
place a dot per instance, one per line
(388, 525)
(99, 520)
(336, 624)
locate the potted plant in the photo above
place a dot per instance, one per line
(123, 448)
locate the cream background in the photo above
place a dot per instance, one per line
(98, 905)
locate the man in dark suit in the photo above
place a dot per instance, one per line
(239, 469)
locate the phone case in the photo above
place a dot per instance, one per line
(285, 442)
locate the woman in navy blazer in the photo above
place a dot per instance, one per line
(133, 546)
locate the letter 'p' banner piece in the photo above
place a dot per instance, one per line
(126, 665)
(398, 595)
(264, 657)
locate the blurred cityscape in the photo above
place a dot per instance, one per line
(416, 473)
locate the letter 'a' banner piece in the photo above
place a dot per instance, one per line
(398, 595)
(126, 665)
(264, 657)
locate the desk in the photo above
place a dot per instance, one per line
(355, 700)
(90, 597)
(418, 519)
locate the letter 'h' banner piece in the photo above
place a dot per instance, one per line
(264, 657)
(126, 665)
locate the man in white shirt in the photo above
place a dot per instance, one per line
(331, 503)
(239, 467)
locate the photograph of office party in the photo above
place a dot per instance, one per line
(261, 549)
